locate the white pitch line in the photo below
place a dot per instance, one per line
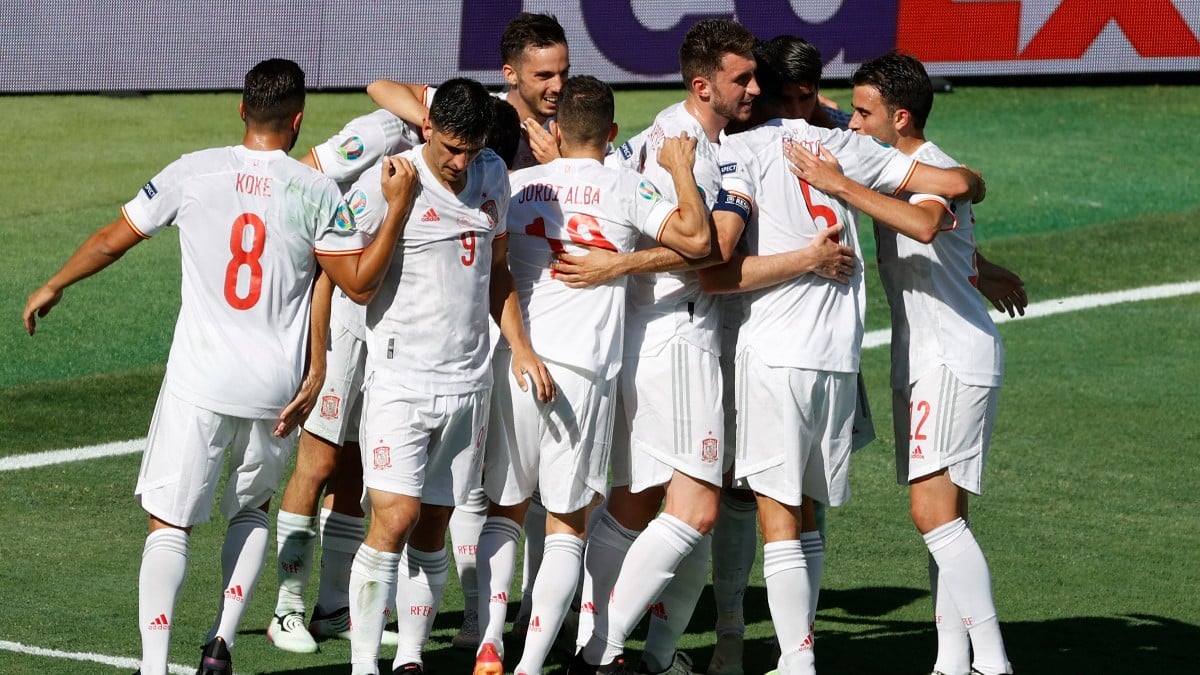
(37, 459)
(875, 338)
(114, 661)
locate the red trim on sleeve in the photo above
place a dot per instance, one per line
(907, 177)
(662, 228)
(316, 160)
(129, 222)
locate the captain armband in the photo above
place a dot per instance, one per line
(734, 203)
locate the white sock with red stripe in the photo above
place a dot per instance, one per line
(419, 586)
(497, 563)
(552, 595)
(164, 567)
(954, 644)
(295, 540)
(964, 572)
(607, 543)
(677, 603)
(242, 558)
(813, 545)
(789, 594)
(648, 567)
(535, 543)
(466, 524)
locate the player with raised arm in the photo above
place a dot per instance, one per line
(327, 457)
(250, 220)
(425, 399)
(328, 453)
(562, 448)
(798, 347)
(947, 365)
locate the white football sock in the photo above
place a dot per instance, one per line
(734, 547)
(964, 572)
(535, 543)
(341, 535)
(790, 598)
(465, 525)
(419, 586)
(242, 558)
(295, 539)
(164, 567)
(953, 642)
(677, 603)
(648, 567)
(813, 545)
(372, 588)
(552, 595)
(607, 545)
(497, 556)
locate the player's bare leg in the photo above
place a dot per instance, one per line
(938, 509)
(373, 576)
(424, 567)
(164, 567)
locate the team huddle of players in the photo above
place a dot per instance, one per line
(516, 327)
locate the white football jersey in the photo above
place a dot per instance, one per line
(807, 322)
(663, 306)
(938, 317)
(557, 207)
(361, 144)
(249, 222)
(429, 319)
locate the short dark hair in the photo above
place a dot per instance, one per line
(462, 108)
(530, 30)
(706, 42)
(902, 83)
(585, 110)
(273, 92)
(783, 60)
(504, 136)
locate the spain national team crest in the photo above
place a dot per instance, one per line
(329, 406)
(492, 212)
(383, 457)
(708, 450)
(351, 148)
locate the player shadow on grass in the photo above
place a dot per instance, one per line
(852, 637)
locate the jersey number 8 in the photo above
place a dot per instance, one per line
(245, 258)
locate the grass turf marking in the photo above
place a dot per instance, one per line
(114, 661)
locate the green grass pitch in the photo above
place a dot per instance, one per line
(1089, 519)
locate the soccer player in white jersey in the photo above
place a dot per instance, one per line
(536, 61)
(798, 347)
(328, 453)
(250, 219)
(789, 76)
(947, 364)
(331, 427)
(668, 438)
(428, 376)
(562, 448)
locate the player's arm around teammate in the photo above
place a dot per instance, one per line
(506, 310)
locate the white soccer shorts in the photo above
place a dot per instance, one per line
(561, 449)
(339, 407)
(672, 408)
(794, 431)
(185, 452)
(942, 423)
(428, 446)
